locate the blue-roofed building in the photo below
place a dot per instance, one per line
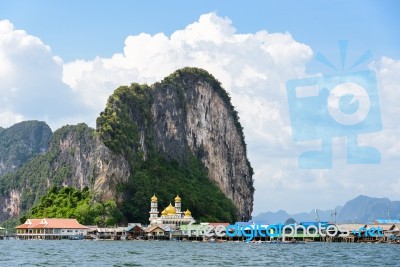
(387, 221)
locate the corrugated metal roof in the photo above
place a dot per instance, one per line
(131, 226)
(387, 221)
(350, 226)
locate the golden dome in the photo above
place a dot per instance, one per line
(154, 198)
(164, 212)
(177, 198)
(170, 209)
(188, 213)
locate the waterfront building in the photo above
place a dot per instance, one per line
(155, 232)
(114, 233)
(194, 230)
(135, 231)
(50, 229)
(386, 221)
(171, 215)
(202, 231)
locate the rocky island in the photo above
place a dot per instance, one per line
(178, 136)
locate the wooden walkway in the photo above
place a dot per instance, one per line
(7, 236)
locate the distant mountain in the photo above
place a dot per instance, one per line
(362, 209)
(272, 217)
(365, 209)
(21, 142)
(281, 216)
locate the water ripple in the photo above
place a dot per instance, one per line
(165, 253)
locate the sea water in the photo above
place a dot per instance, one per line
(170, 253)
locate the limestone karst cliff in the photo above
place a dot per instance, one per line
(191, 110)
(75, 158)
(21, 142)
(188, 113)
(178, 136)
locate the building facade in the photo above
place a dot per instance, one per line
(50, 229)
(170, 215)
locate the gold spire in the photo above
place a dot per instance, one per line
(177, 198)
(154, 198)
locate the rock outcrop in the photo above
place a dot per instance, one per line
(188, 113)
(90, 163)
(21, 142)
(181, 135)
(191, 112)
(76, 158)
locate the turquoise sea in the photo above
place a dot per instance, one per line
(170, 253)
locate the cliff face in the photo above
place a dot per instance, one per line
(192, 113)
(75, 158)
(88, 161)
(187, 114)
(21, 142)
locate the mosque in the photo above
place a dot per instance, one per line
(170, 215)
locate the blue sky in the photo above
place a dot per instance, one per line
(59, 62)
(85, 29)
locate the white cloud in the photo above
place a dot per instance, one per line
(252, 67)
(8, 118)
(31, 86)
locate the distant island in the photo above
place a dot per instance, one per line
(362, 209)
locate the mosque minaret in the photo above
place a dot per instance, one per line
(171, 214)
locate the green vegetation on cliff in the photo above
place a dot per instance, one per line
(167, 179)
(69, 202)
(117, 125)
(33, 178)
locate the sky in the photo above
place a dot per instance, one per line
(59, 62)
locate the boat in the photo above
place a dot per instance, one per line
(76, 237)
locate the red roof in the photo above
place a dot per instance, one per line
(51, 224)
(29, 223)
